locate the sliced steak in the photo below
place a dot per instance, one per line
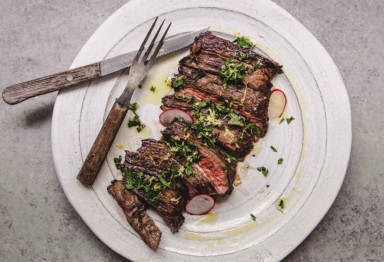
(135, 213)
(169, 205)
(219, 173)
(154, 157)
(185, 98)
(253, 104)
(213, 51)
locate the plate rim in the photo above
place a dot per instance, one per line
(348, 130)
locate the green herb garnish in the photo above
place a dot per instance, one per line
(253, 217)
(235, 119)
(117, 161)
(281, 204)
(256, 66)
(138, 181)
(164, 182)
(232, 72)
(273, 149)
(179, 81)
(281, 121)
(289, 120)
(241, 56)
(152, 89)
(244, 42)
(230, 159)
(251, 129)
(198, 74)
(263, 170)
(135, 122)
(133, 107)
(280, 161)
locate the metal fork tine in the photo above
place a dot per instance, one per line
(144, 42)
(152, 43)
(159, 45)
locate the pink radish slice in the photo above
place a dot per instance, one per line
(277, 103)
(168, 116)
(200, 204)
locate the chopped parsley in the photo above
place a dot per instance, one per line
(153, 89)
(253, 217)
(135, 121)
(281, 204)
(280, 161)
(273, 149)
(235, 119)
(241, 56)
(244, 42)
(263, 170)
(198, 74)
(257, 66)
(186, 151)
(149, 184)
(179, 81)
(230, 159)
(232, 72)
(289, 120)
(133, 107)
(205, 121)
(117, 161)
(251, 129)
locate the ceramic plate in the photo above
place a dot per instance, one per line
(315, 146)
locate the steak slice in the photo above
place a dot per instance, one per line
(211, 51)
(169, 205)
(211, 164)
(135, 213)
(154, 157)
(252, 104)
(185, 98)
(226, 134)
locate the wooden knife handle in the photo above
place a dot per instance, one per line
(17, 93)
(102, 144)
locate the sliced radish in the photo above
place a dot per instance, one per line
(200, 204)
(168, 116)
(277, 103)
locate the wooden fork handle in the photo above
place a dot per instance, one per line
(102, 144)
(17, 93)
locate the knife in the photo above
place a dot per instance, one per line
(19, 92)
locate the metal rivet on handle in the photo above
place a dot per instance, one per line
(69, 78)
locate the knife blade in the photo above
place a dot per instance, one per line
(19, 92)
(171, 44)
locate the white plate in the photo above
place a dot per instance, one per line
(315, 146)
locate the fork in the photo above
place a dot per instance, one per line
(140, 66)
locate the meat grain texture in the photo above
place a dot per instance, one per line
(230, 114)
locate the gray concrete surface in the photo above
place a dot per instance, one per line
(38, 37)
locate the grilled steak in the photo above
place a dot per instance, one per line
(211, 164)
(135, 213)
(169, 204)
(226, 90)
(154, 157)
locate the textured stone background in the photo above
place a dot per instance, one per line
(38, 37)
